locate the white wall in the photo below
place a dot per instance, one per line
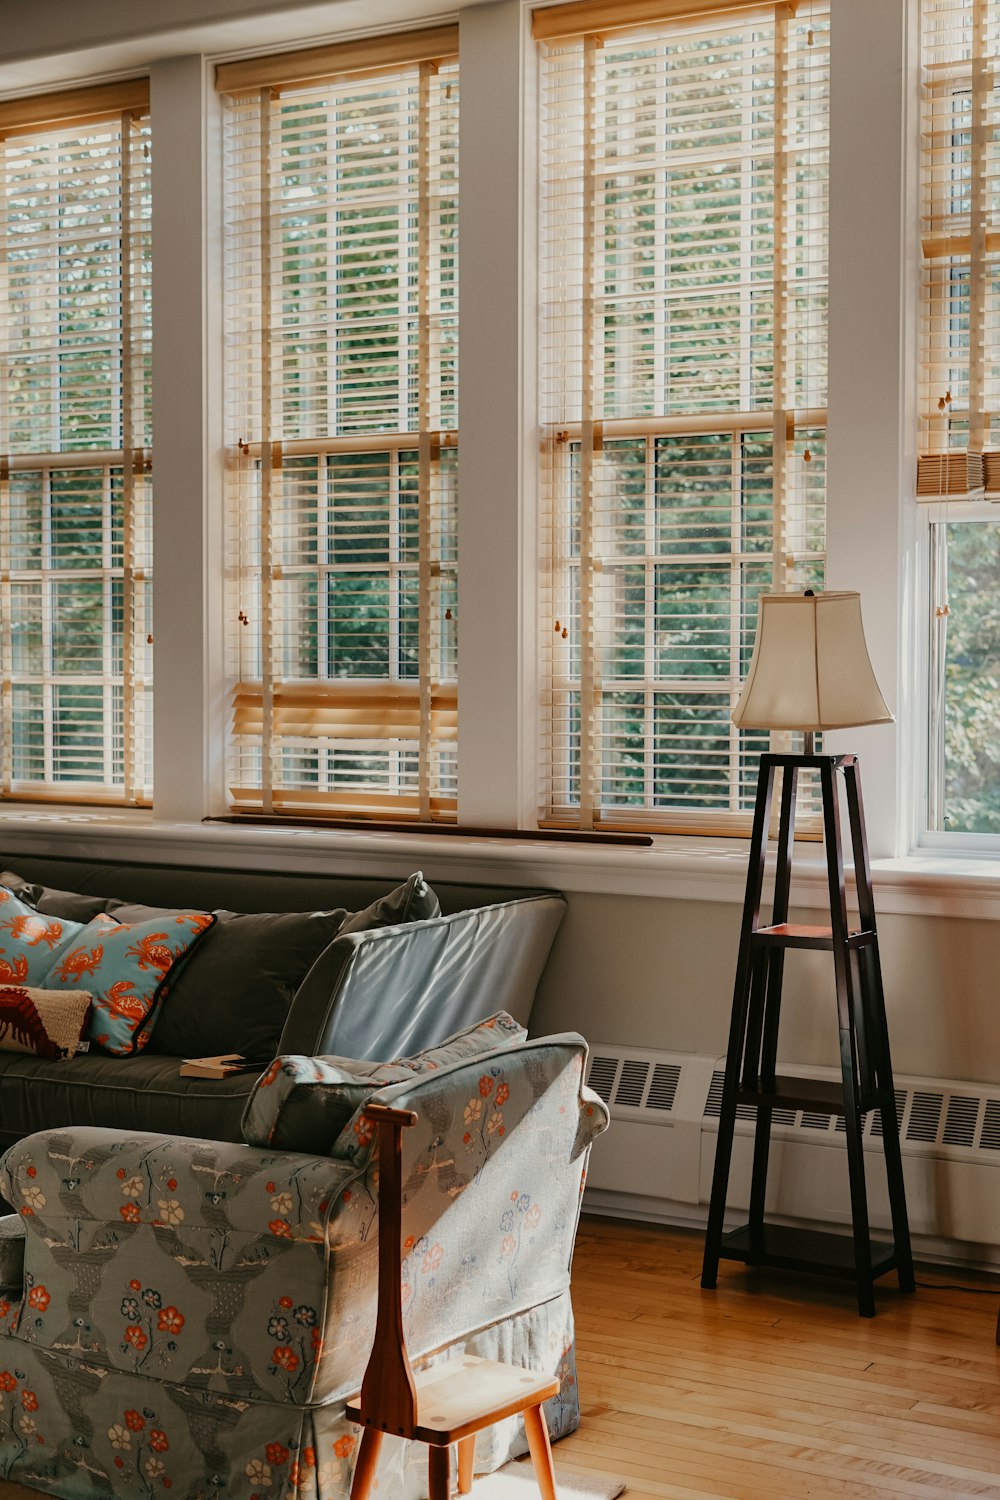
(633, 964)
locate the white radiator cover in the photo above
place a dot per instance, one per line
(656, 1161)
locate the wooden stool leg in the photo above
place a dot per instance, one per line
(541, 1451)
(438, 1473)
(364, 1469)
(466, 1463)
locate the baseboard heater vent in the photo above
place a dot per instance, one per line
(636, 1081)
(949, 1131)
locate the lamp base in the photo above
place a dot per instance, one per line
(866, 1069)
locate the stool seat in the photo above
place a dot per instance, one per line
(462, 1396)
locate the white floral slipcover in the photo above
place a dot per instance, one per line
(194, 1314)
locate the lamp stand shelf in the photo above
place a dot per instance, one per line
(866, 1069)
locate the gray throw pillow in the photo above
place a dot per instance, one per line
(48, 901)
(413, 901)
(236, 998)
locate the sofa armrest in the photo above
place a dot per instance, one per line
(401, 989)
(125, 1179)
(492, 1184)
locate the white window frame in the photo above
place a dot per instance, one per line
(940, 841)
(873, 291)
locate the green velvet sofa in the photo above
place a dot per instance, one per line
(380, 994)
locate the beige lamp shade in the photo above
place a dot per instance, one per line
(810, 667)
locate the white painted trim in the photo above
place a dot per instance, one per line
(872, 368)
(676, 869)
(496, 510)
(184, 640)
(610, 1205)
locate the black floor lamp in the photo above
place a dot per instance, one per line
(810, 671)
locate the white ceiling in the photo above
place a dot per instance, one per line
(44, 43)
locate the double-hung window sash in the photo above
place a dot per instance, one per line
(683, 383)
(959, 407)
(75, 454)
(341, 171)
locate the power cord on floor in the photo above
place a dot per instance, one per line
(954, 1286)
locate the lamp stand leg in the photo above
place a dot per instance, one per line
(738, 1024)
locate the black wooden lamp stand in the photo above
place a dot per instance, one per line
(866, 1069)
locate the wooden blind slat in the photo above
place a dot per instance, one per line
(315, 65)
(558, 22)
(73, 106)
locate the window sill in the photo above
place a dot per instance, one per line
(673, 867)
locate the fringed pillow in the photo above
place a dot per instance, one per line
(43, 1023)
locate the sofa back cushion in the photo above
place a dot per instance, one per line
(49, 901)
(304, 1103)
(237, 995)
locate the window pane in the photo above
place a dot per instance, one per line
(965, 751)
(683, 281)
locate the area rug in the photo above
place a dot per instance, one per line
(516, 1481)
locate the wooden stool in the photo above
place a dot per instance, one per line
(450, 1402)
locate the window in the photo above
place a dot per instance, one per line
(683, 374)
(341, 413)
(75, 446)
(960, 410)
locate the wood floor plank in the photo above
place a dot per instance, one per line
(771, 1387)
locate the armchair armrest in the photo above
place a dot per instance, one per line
(493, 1174)
(124, 1178)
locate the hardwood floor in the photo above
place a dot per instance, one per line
(771, 1387)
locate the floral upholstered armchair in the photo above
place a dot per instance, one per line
(192, 1315)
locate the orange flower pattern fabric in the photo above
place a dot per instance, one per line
(124, 966)
(198, 1312)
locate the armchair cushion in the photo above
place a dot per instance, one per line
(304, 1103)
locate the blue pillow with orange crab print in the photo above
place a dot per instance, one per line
(124, 966)
(30, 942)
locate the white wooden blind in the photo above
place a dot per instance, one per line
(960, 241)
(341, 410)
(75, 447)
(683, 373)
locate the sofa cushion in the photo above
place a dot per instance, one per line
(144, 1093)
(11, 1254)
(44, 1023)
(29, 942)
(304, 1103)
(236, 995)
(125, 967)
(52, 902)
